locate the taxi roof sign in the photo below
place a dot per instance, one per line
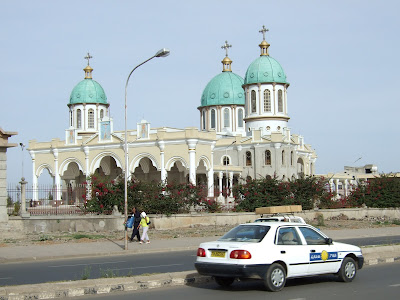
(278, 209)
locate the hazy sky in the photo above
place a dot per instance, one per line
(340, 57)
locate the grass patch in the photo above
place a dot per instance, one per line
(79, 236)
(43, 238)
(86, 273)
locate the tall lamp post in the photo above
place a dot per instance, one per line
(161, 53)
(226, 168)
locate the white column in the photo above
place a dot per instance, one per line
(337, 186)
(35, 194)
(87, 174)
(192, 160)
(210, 182)
(161, 145)
(331, 185)
(220, 177)
(346, 187)
(57, 175)
(231, 184)
(87, 171)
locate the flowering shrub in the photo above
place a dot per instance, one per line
(379, 192)
(154, 198)
(305, 191)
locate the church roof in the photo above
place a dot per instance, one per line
(265, 68)
(225, 88)
(88, 90)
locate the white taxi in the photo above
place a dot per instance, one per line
(275, 251)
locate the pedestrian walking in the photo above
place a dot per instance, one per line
(136, 224)
(144, 223)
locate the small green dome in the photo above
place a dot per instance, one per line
(88, 91)
(264, 69)
(223, 89)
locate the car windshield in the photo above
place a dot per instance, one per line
(246, 233)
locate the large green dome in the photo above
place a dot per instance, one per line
(264, 69)
(223, 89)
(88, 91)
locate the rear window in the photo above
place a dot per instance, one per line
(246, 233)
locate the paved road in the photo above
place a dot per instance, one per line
(121, 265)
(371, 283)
(77, 269)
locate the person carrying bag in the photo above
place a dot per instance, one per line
(144, 223)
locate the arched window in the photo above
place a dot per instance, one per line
(91, 118)
(240, 118)
(248, 158)
(78, 119)
(70, 118)
(280, 101)
(101, 114)
(283, 157)
(253, 102)
(267, 100)
(226, 117)
(225, 161)
(213, 119)
(267, 157)
(291, 158)
(204, 120)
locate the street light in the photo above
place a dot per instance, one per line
(161, 53)
(226, 167)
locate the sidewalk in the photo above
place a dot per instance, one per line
(372, 255)
(116, 247)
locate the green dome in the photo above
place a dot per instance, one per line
(264, 69)
(88, 91)
(223, 89)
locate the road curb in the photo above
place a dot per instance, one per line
(100, 286)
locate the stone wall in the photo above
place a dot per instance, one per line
(161, 222)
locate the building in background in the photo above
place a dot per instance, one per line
(244, 134)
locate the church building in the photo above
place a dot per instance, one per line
(243, 134)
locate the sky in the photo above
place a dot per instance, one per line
(340, 58)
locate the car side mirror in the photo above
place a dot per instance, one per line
(328, 241)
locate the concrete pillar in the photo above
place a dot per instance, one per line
(35, 191)
(57, 176)
(210, 182)
(231, 184)
(23, 213)
(161, 145)
(192, 160)
(4, 135)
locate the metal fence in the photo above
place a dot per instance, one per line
(45, 202)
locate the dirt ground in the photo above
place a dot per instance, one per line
(193, 231)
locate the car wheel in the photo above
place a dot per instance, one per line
(275, 278)
(348, 270)
(224, 281)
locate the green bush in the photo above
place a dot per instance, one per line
(306, 191)
(378, 192)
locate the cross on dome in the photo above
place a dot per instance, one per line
(263, 31)
(88, 57)
(226, 47)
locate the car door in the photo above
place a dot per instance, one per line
(322, 256)
(291, 250)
